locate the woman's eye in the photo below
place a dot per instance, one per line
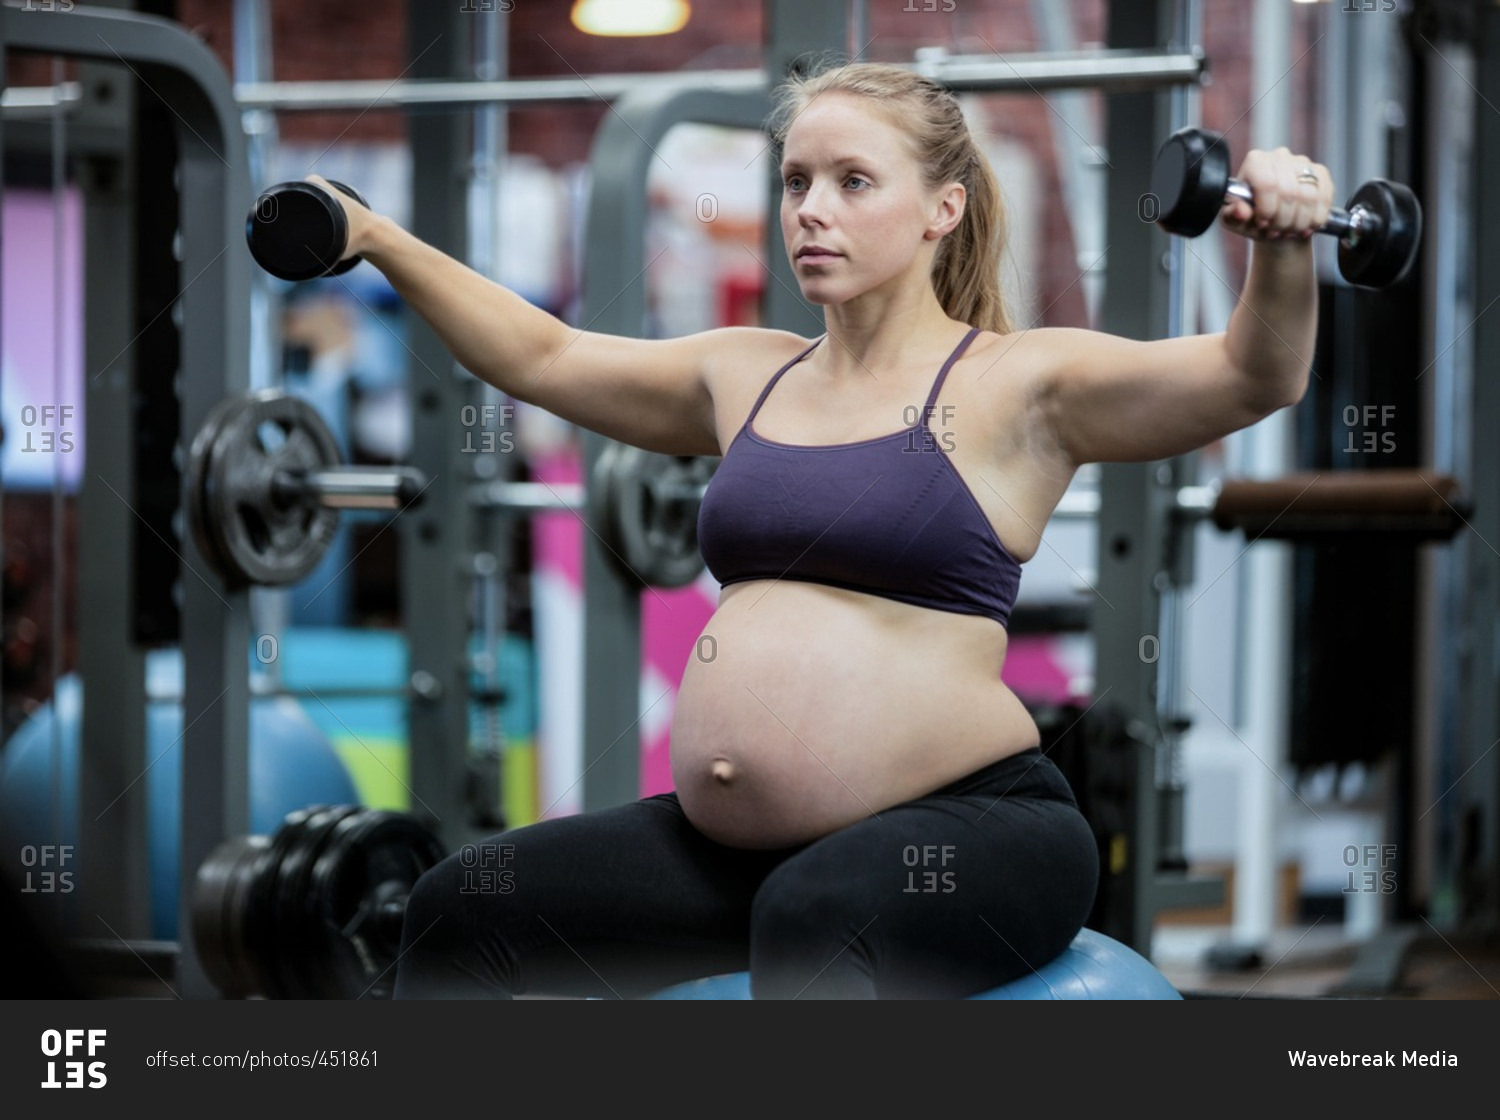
(794, 183)
(859, 180)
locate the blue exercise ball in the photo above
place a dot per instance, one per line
(292, 764)
(1092, 967)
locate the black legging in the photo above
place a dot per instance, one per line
(943, 896)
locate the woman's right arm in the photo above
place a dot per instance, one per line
(647, 392)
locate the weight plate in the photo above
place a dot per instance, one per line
(645, 509)
(297, 231)
(241, 526)
(1188, 181)
(219, 892)
(259, 924)
(297, 958)
(199, 456)
(1383, 256)
(359, 886)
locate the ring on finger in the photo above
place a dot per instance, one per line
(1307, 175)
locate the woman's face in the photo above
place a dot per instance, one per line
(851, 187)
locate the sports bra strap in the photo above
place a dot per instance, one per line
(771, 384)
(943, 373)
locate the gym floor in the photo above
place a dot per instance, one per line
(1318, 961)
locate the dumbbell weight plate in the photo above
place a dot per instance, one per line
(200, 455)
(297, 964)
(219, 897)
(367, 868)
(261, 938)
(1188, 181)
(297, 231)
(635, 506)
(248, 535)
(1374, 262)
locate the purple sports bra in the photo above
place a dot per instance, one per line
(889, 516)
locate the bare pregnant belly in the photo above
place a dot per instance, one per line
(805, 708)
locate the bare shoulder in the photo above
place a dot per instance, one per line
(1013, 369)
(740, 351)
(742, 359)
(1026, 354)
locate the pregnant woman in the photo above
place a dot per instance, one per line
(861, 807)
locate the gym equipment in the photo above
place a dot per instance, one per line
(297, 231)
(266, 484)
(314, 911)
(292, 764)
(1397, 507)
(645, 508)
(1375, 506)
(1378, 233)
(1092, 967)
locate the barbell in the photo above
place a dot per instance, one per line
(266, 486)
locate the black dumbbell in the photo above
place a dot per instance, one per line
(297, 231)
(1378, 233)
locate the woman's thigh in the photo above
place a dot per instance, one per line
(615, 902)
(940, 897)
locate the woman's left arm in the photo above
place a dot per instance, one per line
(1111, 399)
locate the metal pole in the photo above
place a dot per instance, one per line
(1111, 71)
(1266, 585)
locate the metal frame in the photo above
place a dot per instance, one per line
(1460, 706)
(215, 193)
(1135, 530)
(437, 539)
(1480, 692)
(614, 302)
(1108, 70)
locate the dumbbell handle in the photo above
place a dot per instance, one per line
(1347, 225)
(351, 487)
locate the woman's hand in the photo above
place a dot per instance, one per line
(361, 220)
(1292, 197)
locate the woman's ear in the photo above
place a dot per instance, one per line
(948, 211)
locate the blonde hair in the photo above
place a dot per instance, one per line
(966, 268)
